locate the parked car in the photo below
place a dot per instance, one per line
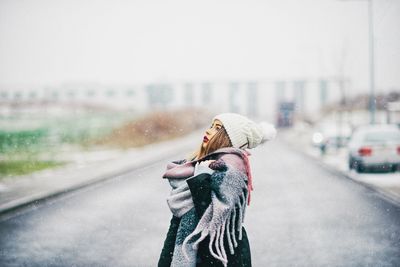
(375, 146)
(331, 135)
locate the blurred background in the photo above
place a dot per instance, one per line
(96, 96)
(72, 73)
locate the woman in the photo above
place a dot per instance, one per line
(210, 191)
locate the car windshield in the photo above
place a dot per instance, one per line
(382, 137)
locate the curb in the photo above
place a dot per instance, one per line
(381, 193)
(36, 199)
(391, 198)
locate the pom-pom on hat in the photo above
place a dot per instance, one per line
(245, 133)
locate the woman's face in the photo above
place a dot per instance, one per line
(210, 132)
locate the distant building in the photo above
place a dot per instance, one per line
(255, 98)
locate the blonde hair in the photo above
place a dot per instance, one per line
(219, 140)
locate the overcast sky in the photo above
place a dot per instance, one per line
(51, 42)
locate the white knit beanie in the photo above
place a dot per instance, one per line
(245, 133)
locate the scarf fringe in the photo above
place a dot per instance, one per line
(231, 224)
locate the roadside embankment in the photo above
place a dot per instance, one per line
(135, 144)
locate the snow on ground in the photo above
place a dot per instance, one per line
(387, 183)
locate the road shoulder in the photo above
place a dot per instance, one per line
(25, 190)
(386, 185)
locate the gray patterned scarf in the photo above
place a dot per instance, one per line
(230, 188)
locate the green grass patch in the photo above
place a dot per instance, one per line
(20, 167)
(21, 140)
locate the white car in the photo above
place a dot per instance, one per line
(331, 135)
(375, 146)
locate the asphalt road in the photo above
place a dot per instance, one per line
(300, 215)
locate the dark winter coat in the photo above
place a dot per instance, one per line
(201, 194)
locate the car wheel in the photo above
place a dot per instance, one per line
(395, 168)
(352, 163)
(358, 166)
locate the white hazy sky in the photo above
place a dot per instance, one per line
(55, 41)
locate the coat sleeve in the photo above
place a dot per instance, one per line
(200, 188)
(169, 243)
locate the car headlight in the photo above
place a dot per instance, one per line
(317, 138)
